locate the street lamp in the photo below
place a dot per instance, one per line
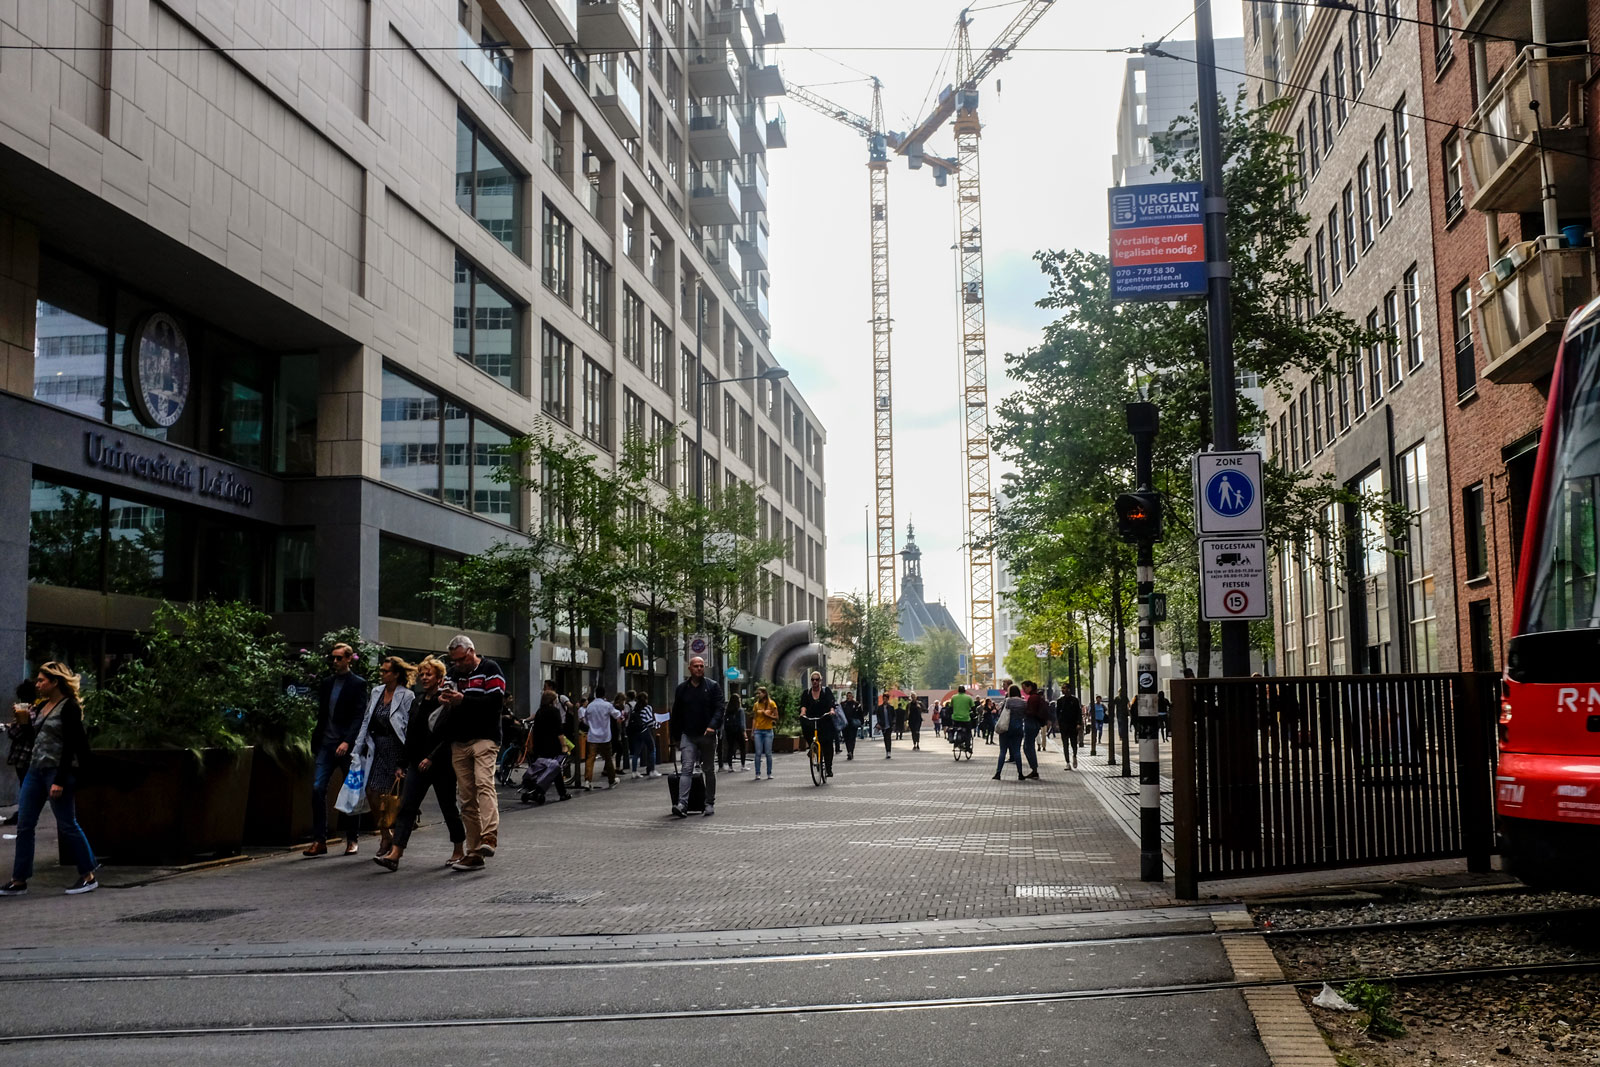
(771, 374)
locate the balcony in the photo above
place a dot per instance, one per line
(752, 127)
(730, 26)
(777, 131)
(753, 188)
(723, 255)
(712, 135)
(1525, 311)
(558, 18)
(753, 299)
(617, 97)
(1513, 20)
(765, 81)
(1503, 143)
(754, 247)
(715, 200)
(610, 25)
(772, 31)
(714, 70)
(490, 64)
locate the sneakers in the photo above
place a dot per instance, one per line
(757, 778)
(486, 852)
(1033, 775)
(707, 813)
(86, 884)
(678, 812)
(470, 862)
(13, 888)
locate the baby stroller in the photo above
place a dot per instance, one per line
(537, 778)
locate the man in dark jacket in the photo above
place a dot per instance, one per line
(697, 710)
(341, 703)
(1069, 713)
(1036, 717)
(476, 694)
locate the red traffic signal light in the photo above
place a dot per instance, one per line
(1139, 517)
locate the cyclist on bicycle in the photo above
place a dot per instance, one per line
(961, 719)
(816, 708)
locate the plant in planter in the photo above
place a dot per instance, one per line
(173, 730)
(786, 738)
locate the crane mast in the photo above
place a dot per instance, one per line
(961, 102)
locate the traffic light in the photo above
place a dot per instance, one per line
(1139, 517)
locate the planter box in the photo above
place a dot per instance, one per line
(279, 807)
(784, 745)
(158, 806)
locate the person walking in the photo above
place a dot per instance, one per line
(914, 713)
(1009, 730)
(60, 747)
(547, 738)
(816, 707)
(476, 693)
(886, 722)
(900, 720)
(1036, 717)
(425, 765)
(1097, 711)
(641, 736)
(697, 710)
(733, 735)
(384, 728)
(603, 719)
(341, 699)
(934, 714)
(764, 716)
(852, 724)
(1069, 712)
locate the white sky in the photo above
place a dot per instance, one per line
(1049, 134)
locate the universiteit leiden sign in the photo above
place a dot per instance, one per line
(160, 469)
(1158, 245)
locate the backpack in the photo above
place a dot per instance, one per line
(641, 718)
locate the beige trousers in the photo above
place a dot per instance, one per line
(480, 807)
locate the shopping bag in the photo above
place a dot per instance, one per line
(386, 807)
(353, 796)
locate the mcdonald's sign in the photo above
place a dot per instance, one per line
(633, 661)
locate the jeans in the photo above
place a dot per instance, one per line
(480, 806)
(698, 752)
(643, 750)
(1010, 751)
(851, 727)
(30, 805)
(441, 778)
(1030, 730)
(330, 766)
(763, 739)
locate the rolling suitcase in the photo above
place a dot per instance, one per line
(697, 790)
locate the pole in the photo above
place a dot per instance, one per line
(699, 459)
(1143, 421)
(1219, 295)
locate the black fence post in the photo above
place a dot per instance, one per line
(1184, 824)
(1475, 712)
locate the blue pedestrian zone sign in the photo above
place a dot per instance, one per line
(1229, 493)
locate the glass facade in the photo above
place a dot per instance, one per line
(488, 188)
(488, 326)
(433, 446)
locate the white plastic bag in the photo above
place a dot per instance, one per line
(1329, 998)
(353, 795)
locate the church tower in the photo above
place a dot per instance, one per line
(911, 573)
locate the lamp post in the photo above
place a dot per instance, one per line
(771, 374)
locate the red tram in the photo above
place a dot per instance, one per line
(1547, 783)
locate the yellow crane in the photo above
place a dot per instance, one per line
(960, 101)
(878, 143)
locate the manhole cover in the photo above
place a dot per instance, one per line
(544, 896)
(1083, 892)
(184, 915)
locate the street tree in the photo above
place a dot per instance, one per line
(941, 657)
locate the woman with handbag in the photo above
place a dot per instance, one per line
(426, 765)
(384, 728)
(60, 746)
(1008, 729)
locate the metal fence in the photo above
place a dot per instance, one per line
(1291, 774)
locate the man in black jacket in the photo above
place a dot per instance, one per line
(697, 710)
(341, 703)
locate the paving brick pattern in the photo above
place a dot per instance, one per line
(917, 838)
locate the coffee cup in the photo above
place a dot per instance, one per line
(22, 713)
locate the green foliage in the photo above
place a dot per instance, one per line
(872, 638)
(787, 697)
(1021, 663)
(1378, 1002)
(941, 658)
(210, 675)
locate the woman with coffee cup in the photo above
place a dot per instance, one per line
(60, 745)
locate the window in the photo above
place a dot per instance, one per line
(1419, 571)
(488, 326)
(632, 328)
(1344, 394)
(596, 403)
(557, 273)
(487, 188)
(1466, 358)
(1369, 367)
(1358, 75)
(1285, 438)
(1333, 588)
(688, 379)
(1443, 35)
(1374, 558)
(1413, 294)
(1305, 428)
(433, 446)
(550, 147)
(1480, 634)
(1309, 641)
(1402, 151)
(556, 376)
(1316, 415)
(1380, 167)
(1391, 341)
(1300, 155)
(1340, 102)
(1311, 129)
(1275, 454)
(1364, 196)
(1391, 16)
(730, 422)
(1325, 90)
(1374, 38)
(1452, 177)
(660, 340)
(1322, 268)
(633, 410)
(746, 431)
(1336, 266)
(1474, 532)
(596, 291)
(1328, 406)
(661, 454)
(1348, 200)
(1291, 629)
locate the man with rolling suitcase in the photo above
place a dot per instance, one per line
(697, 710)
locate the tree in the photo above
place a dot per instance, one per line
(730, 568)
(1022, 663)
(941, 657)
(871, 635)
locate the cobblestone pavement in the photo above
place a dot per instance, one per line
(916, 838)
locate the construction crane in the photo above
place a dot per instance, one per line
(878, 143)
(961, 102)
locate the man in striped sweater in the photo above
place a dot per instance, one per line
(473, 726)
